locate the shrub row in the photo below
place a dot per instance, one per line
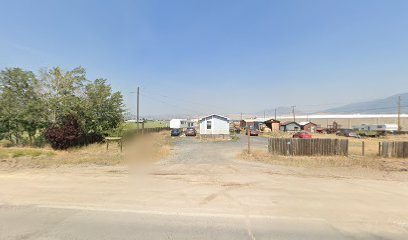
(68, 133)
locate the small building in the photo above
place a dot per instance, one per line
(181, 123)
(290, 127)
(214, 124)
(376, 127)
(272, 124)
(252, 123)
(308, 126)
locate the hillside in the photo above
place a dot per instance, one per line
(386, 105)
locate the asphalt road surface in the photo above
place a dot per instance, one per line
(202, 192)
(51, 223)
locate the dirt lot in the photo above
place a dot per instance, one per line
(210, 178)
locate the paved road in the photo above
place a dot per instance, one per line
(203, 192)
(48, 223)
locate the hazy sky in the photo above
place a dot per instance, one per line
(217, 56)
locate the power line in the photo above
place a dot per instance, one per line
(169, 104)
(184, 101)
(361, 110)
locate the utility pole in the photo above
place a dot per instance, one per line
(249, 138)
(137, 113)
(293, 111)
(399, 113)
(275, 114)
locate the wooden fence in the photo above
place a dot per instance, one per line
(149, 130)
(393, 149)
(308, 147)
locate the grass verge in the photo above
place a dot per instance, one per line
(328, 161)
(150, 147)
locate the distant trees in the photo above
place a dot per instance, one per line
(55, 102)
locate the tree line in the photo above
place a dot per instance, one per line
(61, 107)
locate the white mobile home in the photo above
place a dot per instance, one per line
(376, 127)
(214, 124)
(181, 123)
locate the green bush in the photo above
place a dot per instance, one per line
(6, 143)
(40, 141)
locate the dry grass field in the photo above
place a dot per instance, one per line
(149, 148)
(366, 162)
(370, 160)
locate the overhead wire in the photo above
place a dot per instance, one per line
(170, 104)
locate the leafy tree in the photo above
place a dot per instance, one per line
(65, 91)
(23, 108)
(75, 110)
(103, 109)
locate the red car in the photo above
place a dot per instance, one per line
(252, 132)
(302, 134)
(190, 132)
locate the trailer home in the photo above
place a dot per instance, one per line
(214, 124)
(376, 127)
(181, 123)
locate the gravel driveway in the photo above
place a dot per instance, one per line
(205, 182)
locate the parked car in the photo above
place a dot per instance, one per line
(353, 134)
(190, 132)
(343, 132)
(175, 132)
(302, 134)
(347, 133)
(252, 132)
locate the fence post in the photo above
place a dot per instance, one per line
(379, 148)
(288, 148)
(362, 148)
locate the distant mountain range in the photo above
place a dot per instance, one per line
(379, 106)
(386, 105)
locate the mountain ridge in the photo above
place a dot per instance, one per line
(384, 105)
